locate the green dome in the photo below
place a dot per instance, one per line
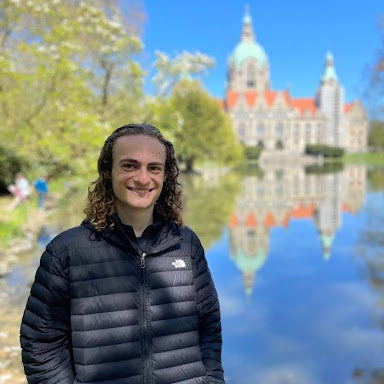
(249, 50)
(250, 264)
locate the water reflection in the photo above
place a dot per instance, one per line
(281, 196)
(299, 299)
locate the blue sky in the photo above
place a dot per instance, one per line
(295, 34)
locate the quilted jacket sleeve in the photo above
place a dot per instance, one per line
(209, 316)
(45, 327)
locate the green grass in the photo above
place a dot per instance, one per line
(12, 222)
(371, 158)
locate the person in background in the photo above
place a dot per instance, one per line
(127, 296)
(41, 188)
(20, 190)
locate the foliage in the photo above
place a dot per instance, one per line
(12, 222)
(375, 178)
(376, 134)
(203, 132)
(325, 150)
(10, 164)
(183, 66)
(65, 68)
(217, 198)
(327, 167)
(252, 153)
(374, 95)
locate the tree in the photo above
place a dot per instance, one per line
(376, 134)
(204, 132)
(185, 65)
(375, 89)
(218, 199)
(66, 68)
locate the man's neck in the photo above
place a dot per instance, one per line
(137, 220)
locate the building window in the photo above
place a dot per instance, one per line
(260, 130)
(279, 130)
(296, 133)
(251, 76)
(241, 131)
(308, 132)
(279, 145)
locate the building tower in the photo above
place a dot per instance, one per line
(331, 104)
(248, 66)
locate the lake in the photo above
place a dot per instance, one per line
(298, 261)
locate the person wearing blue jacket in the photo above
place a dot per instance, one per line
(41, 188)
(127, 296)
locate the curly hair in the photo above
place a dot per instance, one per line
(101, 201)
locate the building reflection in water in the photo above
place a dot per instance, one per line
(286, 194)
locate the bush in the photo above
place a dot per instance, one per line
(10, 164)
(252, 153)
(325, 150)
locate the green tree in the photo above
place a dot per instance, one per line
(208, 206)
(67, 68)
(204, 132)
(185, 65)
(374, 95)
(376, 134)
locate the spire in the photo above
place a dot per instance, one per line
(247, 31)
(329, 75)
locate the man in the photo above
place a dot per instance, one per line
(126, 297)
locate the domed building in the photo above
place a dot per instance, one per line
(280, 124)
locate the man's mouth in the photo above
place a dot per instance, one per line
(140, 190)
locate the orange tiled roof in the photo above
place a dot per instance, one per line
(348, 107)
(251, 221)
(302, 212)
(269, 220)
(250, 97)
(346, 208)
(304, 105)
(231, 99)
(285, 220)
(233, 221)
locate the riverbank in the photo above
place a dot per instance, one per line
(19, 228)
(19, 232)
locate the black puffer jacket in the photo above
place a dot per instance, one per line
(103, 312)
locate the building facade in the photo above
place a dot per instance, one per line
(279, 123)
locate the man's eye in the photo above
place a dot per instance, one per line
(129, 166)
(155, 169)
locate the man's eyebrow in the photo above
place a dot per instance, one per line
(129, 160)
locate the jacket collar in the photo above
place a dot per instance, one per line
(162, 234)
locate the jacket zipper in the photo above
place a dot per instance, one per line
(147, 374)
(142, 260)
(144, 292)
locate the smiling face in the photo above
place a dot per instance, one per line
(138, 173)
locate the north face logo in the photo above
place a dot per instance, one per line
(178, 263)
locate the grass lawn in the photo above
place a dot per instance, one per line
(371, 158)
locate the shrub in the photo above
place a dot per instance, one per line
(325, 150)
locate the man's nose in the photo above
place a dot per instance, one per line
(142, 176)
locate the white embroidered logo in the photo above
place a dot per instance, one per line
(178, 263)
